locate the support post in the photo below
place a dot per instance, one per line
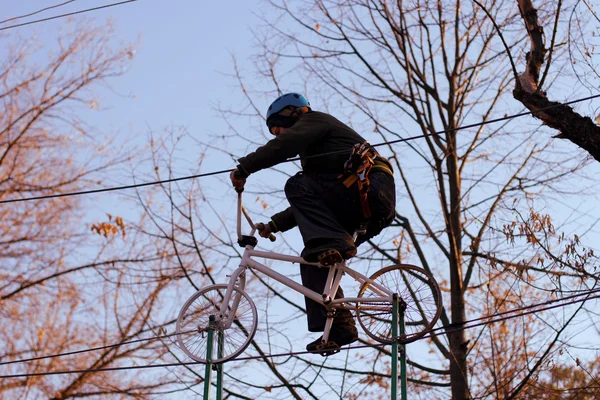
(403, 384)
(395, 346)
(398, 310)
(221, 344)
(209, 351)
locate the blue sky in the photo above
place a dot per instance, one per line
(185, 49)
(179, 73)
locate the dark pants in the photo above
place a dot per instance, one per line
(327, 214)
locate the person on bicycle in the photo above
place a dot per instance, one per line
(344, 184)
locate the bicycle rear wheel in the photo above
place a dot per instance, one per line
(419, 291)
(193, 323)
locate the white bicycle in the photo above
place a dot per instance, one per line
(230, 313)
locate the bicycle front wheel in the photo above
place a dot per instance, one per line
(229, 340)
(419, 292)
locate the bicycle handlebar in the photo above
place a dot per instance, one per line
(260, 226)
(241, 210)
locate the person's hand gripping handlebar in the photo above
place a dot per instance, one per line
(264, 230)
(237, 180)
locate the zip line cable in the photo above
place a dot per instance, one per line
(447, 329)
(112, 189)
(508, 117)
(80, 371)
(530, 310)
(108, 346)
(116, 188)
(67, 14)
(36, 12)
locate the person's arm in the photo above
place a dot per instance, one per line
(292, 142)
(283, 221)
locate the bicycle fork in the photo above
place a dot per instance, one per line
(227, 311)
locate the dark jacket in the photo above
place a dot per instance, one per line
(314, 134)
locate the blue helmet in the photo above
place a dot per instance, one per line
(287, 100)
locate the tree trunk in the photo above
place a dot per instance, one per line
(582, 131)
(458, 348)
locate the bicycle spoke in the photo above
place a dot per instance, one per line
(417, 290)
(235, 334)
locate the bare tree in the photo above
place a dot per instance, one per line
(468, 212)
(61, 288)
(529, 90)
(431, 68)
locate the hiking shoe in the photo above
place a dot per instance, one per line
(327, 257)
(337, 337)
(330, 257)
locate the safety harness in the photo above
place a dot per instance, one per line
(356, 170)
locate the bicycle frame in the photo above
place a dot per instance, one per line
(334, 278)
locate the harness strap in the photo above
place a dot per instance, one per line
(356, 170)
(382, 166)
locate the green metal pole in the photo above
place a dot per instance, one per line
(209, 348)
(402, 352)
(221, 344)
(395, 346)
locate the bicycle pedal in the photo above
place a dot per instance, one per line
(330, 257)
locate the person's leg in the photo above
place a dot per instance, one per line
(382, 201)
(322, 211)
(320, 227)
(314, 278)
(343, 330)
